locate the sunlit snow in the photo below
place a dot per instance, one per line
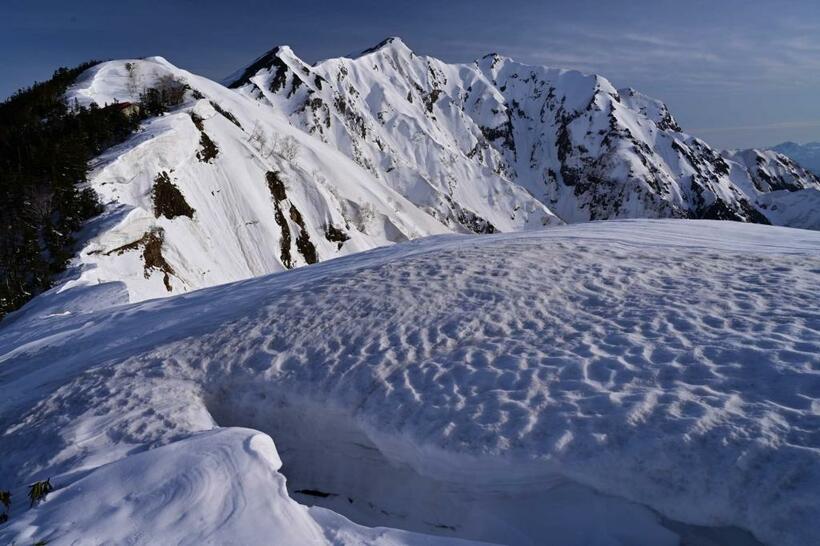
(627, 382)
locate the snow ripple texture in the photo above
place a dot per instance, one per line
(673, 364)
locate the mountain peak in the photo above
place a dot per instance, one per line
(491, 60)
(273, 57)
(391, 43)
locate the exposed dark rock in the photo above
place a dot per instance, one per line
(208, 150)
(335, 235)
(153, 259)
(315, 493)
(280, 77)
(295, 83)
(303, 243)
(276, 186)
(227, 115)
(151, 244)
(354, 120)
(504, 132)
(284, 243)
(431, 98)
(197, 121)
(168, 200)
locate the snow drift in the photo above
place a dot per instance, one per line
(626, 382)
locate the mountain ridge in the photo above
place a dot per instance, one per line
(291, 163)
(296, 308)
(562, 182)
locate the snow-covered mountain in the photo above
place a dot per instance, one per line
(807, 155)
(225, 188)
(292, 164)
(785, 192)
(624, 383)
(436, 132)
(267, 198)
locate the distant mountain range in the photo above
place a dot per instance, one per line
(807, 155)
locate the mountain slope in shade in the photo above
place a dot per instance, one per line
(807, 155)
(431, 130)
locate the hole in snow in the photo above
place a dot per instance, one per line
(330, 461)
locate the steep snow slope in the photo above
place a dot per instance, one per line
(372, 117)
(253, 194)
(242, 193)
(440, 132)
(627, 382)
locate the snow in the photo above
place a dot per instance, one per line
(795, 208)
(217, 487)
(626, 382)
(481, 133)
(807, 155)
(234, 233)
(622, 382)
(220, 486)
(386, 147)
(784, 191)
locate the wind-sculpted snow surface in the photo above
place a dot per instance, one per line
(628, 382)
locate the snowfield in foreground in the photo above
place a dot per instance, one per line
(626, 382)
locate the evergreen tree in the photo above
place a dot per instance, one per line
(45, 148)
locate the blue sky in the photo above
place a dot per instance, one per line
(737, 73)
